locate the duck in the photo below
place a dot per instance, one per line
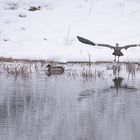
(55, 69)
(117, 49)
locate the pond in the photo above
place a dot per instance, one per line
(95, 102)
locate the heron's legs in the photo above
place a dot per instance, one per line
(115, 59)
(118, 59)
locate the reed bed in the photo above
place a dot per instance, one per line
(85, 71)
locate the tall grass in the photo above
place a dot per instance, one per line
(68, 33)
(131, 69)
(86, 71)
(91, 6)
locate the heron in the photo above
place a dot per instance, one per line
(117, 49)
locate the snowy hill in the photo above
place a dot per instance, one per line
(50, 31)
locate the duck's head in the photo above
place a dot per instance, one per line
(49, 65)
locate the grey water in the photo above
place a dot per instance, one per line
(70, 106)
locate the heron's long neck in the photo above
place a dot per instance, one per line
(117, 47)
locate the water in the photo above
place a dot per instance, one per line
(70, 106)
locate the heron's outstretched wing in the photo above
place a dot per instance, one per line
(86, 41)
(129, 46)
(105, 45)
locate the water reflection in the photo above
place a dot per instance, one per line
(118, 81)
(86, 94)
(118, 85)
(41, 107)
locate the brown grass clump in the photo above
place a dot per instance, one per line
(131, 68)
(6, 59)
(22, 70)
(33, 8)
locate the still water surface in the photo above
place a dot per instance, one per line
(70, 106)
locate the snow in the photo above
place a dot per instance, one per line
(50, 33)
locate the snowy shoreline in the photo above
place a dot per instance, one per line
(49, 32)
(6, 59)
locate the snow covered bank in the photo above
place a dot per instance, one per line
(50, 33)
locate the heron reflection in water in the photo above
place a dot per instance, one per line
(118, 81)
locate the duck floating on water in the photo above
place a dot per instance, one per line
(55, 69)
(117, 48)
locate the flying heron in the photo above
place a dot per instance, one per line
(117, 49)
